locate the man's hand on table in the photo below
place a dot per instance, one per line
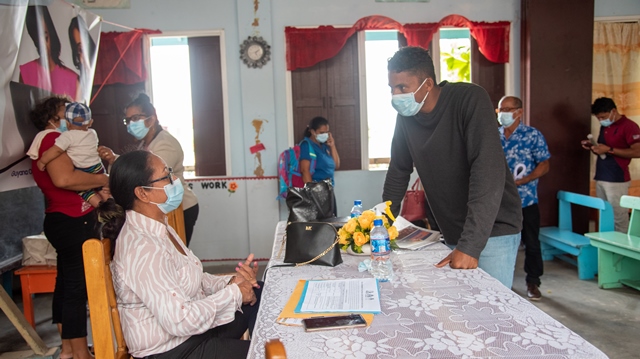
(458, 260)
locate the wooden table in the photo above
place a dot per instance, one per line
(35, 279)
(426, 313)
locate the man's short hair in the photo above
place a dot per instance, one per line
(517, 102)
(602, 104)
(414, 60)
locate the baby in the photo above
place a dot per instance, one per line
(81, 144)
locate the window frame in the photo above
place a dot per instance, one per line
(364, 123)
(225, 90)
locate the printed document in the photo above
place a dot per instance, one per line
(343, 295)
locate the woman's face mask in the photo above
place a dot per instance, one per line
(138, 129)
(406, 104)
(322, 137)
(174, 192)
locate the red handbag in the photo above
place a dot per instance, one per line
(413, 204)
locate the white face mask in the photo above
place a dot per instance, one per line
(322, 137)
(506, 118)
(406, 104)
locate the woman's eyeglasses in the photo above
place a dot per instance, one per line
(169, 177)
(134, 118)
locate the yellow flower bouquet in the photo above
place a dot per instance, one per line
(355, 232)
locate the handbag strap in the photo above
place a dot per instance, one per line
(416, 185)
(319, 255)
(284, 240)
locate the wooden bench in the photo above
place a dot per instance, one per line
(619, 253)
(561, 241)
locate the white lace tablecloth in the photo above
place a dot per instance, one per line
(427, 312)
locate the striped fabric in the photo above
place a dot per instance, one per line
(164, 297)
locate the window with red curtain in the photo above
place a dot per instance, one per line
(306, 47)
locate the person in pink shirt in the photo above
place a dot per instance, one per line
(47, 71)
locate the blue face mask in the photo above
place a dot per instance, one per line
(506, 119)
(137, 129)
(405, 103)
(63, 126)
(174, 192)
(322, 137)
(608, 122)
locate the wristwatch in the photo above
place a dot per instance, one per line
(610, 150)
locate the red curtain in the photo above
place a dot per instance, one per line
(492, 37)
(120, 58)
(307, 47)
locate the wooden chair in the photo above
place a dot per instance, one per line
(176, 220)
(274, 349)
(108, 340)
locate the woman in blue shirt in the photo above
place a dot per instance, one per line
(323, 148)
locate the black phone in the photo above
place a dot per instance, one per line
(334, 322)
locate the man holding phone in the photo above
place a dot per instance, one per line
(618, 143)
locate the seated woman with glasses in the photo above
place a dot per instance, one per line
(142, 123)
(168, 306)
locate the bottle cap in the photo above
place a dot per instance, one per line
(377, 222)
(357, 202)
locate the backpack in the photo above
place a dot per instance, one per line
(289, 168)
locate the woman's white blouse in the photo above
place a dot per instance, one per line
(163, 296)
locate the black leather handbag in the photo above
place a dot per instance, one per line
(312, 202)
(311, 243)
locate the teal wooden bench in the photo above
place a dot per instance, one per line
(619, 253)
(561, 241)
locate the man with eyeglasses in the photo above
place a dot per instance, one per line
(618, 143)
(528, 158)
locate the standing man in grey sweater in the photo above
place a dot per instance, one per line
(448, 131)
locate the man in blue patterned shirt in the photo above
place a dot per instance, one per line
(528, 158)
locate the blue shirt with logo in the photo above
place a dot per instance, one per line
(325, 166)
(524, 150)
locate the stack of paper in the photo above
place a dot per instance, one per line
(340, 296)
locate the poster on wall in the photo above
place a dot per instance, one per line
(49, 50)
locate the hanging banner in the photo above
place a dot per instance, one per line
(45, 50)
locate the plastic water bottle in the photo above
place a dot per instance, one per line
(356, 211)
(381, 268)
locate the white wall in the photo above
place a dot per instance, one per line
(262, 93)
(604, 8)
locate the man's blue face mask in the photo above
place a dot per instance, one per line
(406, 104)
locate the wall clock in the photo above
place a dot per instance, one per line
(255, 52)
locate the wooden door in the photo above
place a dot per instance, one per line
(331, 89)
(489, 75)
(309, 90)
(344, 104)
(207, 105)
(557, 95)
